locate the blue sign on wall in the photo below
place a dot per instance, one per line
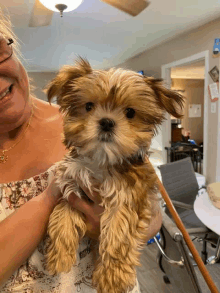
(216, 47)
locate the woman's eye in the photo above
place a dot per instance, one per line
(89, 106)
(130, 113)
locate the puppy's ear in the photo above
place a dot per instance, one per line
(168, 100)
(65, 77)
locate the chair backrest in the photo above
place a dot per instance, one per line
(183, 279)
(180, 181)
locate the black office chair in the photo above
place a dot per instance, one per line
(181, 150)
(174, 261)
(180, 182)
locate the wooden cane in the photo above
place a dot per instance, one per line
(187, 239)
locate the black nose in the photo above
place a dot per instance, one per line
(106, 124)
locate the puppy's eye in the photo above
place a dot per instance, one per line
(130, 113)
(89, 106)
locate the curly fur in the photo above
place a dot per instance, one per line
(114, 160)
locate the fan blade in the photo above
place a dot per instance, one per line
(132, 7)
(40, 15)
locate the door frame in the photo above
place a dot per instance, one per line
(217, 176)
(166, 126)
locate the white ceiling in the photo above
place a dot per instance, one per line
(103, 34)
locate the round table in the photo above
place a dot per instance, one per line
(207, 212)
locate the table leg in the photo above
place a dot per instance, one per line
(215, 258)
(204, 252)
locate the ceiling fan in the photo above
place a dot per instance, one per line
(41, 15)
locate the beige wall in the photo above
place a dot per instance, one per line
(194, 93)
(40, 79)
(185, 45)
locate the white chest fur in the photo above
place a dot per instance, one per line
(84, 169)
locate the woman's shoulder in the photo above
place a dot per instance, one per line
(48, 115)
(47, 133)
(46, 108)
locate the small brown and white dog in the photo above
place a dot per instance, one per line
(110, 118)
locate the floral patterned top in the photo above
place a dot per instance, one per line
(32, 277)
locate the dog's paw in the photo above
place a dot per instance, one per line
(59, 261)
(64, 229)
(115, 278)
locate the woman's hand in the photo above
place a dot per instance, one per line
(52, 194)
(92, 211)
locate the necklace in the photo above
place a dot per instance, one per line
(4, 157)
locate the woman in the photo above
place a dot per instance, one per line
(185, 135)
(30, 145)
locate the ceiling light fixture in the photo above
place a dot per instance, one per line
(62, 5)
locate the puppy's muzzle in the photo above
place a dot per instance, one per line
(107, 124)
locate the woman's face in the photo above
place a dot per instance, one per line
(15, 106)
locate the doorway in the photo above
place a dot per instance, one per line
(188, 80)
(175, 69)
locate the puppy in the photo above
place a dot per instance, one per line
(109, 119)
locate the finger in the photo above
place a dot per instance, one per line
(54, 188)
(85, 207)
(94, 196)
(79, 204)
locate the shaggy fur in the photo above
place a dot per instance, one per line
(110, 118)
